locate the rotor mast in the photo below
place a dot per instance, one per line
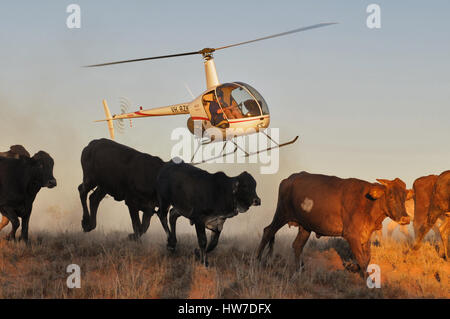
(212, 80)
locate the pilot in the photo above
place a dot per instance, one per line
(217, 118)
(231, 111)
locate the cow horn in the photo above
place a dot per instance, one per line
(384, 182)
(409, 194)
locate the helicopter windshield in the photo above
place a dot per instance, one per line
(262, 103)
(238, 101)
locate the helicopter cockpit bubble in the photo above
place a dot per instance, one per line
(258, 97)
(239, 100)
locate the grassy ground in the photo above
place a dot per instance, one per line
(113, 267)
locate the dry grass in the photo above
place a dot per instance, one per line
(113, 267)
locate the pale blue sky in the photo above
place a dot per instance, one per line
(366, 103)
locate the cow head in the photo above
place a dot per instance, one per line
(45, 164)
(245, 191)
(393, 195)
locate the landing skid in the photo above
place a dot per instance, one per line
(236, 147)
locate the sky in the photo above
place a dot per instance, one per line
(366, 103)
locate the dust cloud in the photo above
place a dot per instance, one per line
(63, 134)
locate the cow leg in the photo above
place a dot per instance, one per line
(4, 222)
(163, 218)
(83, 189)
(134, 214)
(202, 241)
(299, 243)
(425, 228)
(146, 217)
(269, 235)
(15, 223)
(443, 231)
(94, 200)
(404, 230)
(162, 215)
(25, 221)
(377, 236)
(366, 258)
(362, 255)
(214, 240)
(24, 233)
(173, 216)
(436, 230)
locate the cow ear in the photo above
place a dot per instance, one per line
(235, 186)
(409, 194)
(243, 174)
(375, 192)
(384, 182)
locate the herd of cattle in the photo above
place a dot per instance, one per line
(325, 205)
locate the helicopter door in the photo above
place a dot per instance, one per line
(214, 111)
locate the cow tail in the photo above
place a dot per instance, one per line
(280, 217)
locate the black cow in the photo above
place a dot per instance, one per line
(20, 181)
(207, 200)
(15, 151)
(125, 174)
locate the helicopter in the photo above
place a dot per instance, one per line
(223, 107)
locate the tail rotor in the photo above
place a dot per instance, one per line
(109, 119)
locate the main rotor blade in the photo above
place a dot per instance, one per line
(207, 51)
(144, 59)
(279, 34)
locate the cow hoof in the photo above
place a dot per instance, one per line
(170, 248)
(206, 264)
(26, 241)
(352, 267)
(133, 237)
(197, 253)
(85, 224)
(302, 266)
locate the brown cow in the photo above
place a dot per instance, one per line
(436, 207)
(331, 206)
(15, 151)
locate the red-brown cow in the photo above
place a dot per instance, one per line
(436, 205)
(331, 206)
